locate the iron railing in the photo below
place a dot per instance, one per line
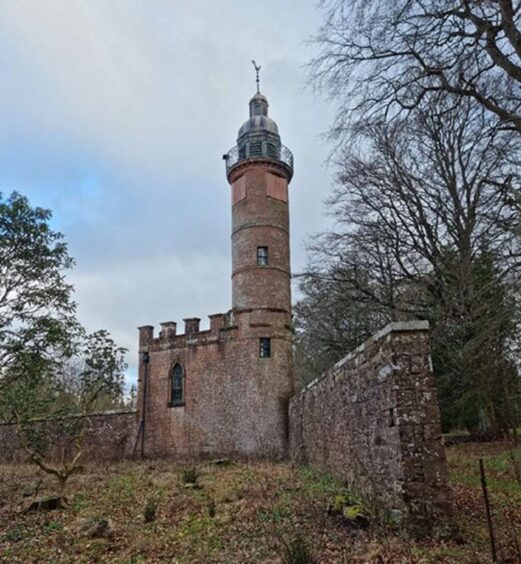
(255, 149)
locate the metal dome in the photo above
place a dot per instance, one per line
(259, 120)
(259, 138)
(258, 123)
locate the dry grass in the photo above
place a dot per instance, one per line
(244, 512)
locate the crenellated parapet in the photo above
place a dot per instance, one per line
(221, 326)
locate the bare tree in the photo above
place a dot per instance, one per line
(415, 188)
(424, 229)
(381, 57)
(332, 318)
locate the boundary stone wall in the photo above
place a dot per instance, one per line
(111, 437)
(373, 421)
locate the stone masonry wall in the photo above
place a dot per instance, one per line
(111, 437)
(373, 421)
(259, 220)
(235, 403)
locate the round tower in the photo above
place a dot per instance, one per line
(259, 169)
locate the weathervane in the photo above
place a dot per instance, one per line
(257, 69)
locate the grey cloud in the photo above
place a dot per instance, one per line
(116, 114)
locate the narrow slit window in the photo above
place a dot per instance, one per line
(177, 392)
(262, 256)
(264, 347)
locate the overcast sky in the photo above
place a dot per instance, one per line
(115, 114)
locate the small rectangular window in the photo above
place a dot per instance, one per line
(265, 347)
(262, 256)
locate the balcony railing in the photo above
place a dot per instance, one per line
(255, 149)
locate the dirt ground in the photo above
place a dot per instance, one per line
(134, 512)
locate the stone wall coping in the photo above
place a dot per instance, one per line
(110, 412)
(393, 327)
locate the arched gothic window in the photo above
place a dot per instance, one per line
(177, 392)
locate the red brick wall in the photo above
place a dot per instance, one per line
(259, 220)
(235, 402)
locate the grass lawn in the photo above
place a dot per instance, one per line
(242, 512)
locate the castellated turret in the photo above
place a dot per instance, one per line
(225, 390)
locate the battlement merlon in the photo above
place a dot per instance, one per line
(168, 332)
(217, 321)
(168, 329)
(191, 326)
(146, 335)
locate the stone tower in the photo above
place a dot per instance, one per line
(225, 390)
(259, 169)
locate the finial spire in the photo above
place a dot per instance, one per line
(257, 69)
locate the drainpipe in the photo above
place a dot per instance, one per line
(145, 360)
